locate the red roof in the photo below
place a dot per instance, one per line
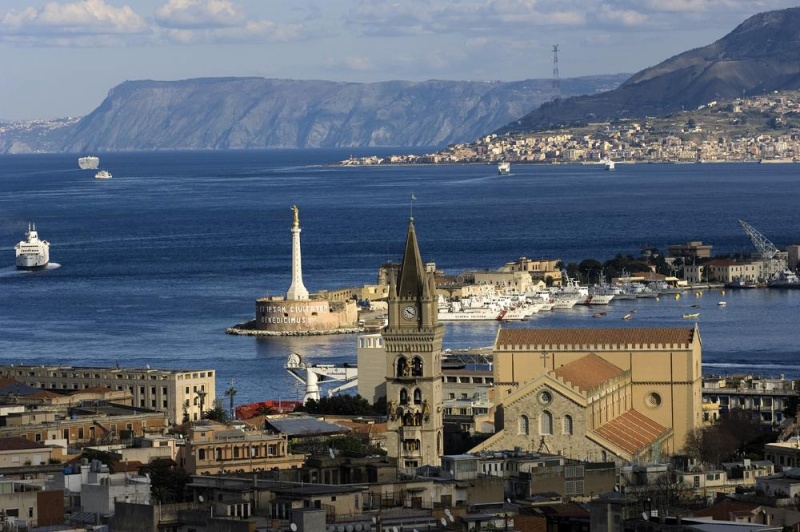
(632, 431)
(254, 409)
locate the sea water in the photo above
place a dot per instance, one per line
(155, 264)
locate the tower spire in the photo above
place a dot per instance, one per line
(296, 292)
(412, 270)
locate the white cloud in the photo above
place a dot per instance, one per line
(84, 22)
(195, 14)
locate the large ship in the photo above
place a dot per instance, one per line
(90, 162)
(504, 168)
(32, 253)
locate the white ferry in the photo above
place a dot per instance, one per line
(32, 253)
(504, 168)
(90, 162)
(103, 174)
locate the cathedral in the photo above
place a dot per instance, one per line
(624, 394)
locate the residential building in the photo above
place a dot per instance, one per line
(181, 394)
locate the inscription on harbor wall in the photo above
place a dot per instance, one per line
(287, 315)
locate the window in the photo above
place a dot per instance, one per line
(201, 454)
(403, 396)
(568, 425)
(417, 397)
(546, 423)
(523, 424)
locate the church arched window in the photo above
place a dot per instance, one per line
(403, 396)
(523, 424)
(416, 367)
(417, 397)
(568, 425)
(546, 423)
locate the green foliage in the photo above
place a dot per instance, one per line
(217, 413)
(354, 446)
(167, 483)
(347, 405)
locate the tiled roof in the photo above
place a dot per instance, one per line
(14, 443)
(631, 431)
(44, 394)
(539, 338)
(587, 372)
(305, 426)
(722, 511)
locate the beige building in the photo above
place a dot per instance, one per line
(16, 452)
(212, 448)
(726, 271)
(178, 393)
(597, 394)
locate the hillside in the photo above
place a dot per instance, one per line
(252, 113)
(761, 55)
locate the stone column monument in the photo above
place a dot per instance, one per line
(296, 292)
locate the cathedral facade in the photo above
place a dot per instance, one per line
(620, 394)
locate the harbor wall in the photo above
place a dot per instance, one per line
(279, 315)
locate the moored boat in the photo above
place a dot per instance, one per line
(691, 315)
(32, 253)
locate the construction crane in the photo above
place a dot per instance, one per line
(767, 250)
(311, 375)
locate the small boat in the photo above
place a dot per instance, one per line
(695, 306)
(722, 303)
(503, 168)
(608, 164)
(691, 316)
(627, 317)
(103, 174)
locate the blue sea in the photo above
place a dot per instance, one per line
(152, 266)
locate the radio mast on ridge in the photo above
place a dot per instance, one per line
(556, 82)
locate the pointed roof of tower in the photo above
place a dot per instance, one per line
(412, 270)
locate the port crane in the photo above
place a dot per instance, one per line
(770, 265)
(310, 375)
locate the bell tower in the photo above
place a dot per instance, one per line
(413, 344)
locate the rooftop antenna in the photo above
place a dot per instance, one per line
(556, 81)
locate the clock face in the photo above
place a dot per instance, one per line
(410, 312)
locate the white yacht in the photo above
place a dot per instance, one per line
(456, 313)
(608, 164)
(90, 162)
(503, 168)
(32, 253)
(103, 174)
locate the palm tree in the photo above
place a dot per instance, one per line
(231, 392)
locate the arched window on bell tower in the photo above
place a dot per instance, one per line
(417, 396)
(416, 367)
(403, 396)
(402, 367)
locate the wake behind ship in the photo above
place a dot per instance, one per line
(32, 253)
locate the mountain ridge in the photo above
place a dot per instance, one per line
(762, 54)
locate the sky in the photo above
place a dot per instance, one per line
(60, 58)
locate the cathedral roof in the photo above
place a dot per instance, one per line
(587, 372)
(412, 270)
(632, 431)
(593, 338)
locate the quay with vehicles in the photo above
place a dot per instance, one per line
(32, 253)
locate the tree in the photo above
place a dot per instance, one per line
(167, 483)
(339, 404)
(217, 413)
(590, 268)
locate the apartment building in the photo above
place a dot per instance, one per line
(181, 394)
